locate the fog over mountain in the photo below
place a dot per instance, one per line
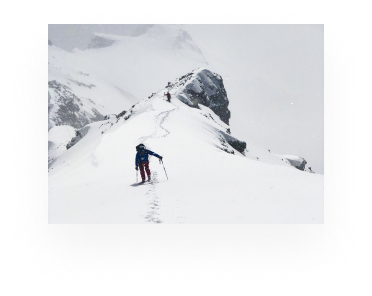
(272, 73)
(106, 94)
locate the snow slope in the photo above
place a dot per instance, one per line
(142, 64)
(77, 96)
(58, 138)
(90, 182)
(115, 72)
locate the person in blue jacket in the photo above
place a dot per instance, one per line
(142, 161)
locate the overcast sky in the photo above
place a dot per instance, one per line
(273, 74)
(274, 77)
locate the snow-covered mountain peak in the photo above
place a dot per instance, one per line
(115, 73)
(175, 36)
(167, 32)
(100, 109)
(156, 39)
(204, 87)
(212, 177)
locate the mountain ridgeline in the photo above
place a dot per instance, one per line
(206, 88)
(66, 108)
(200, 87)
(203, 87)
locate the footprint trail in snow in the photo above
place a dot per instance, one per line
(152, 215)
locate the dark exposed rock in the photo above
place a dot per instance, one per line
(99, 42)
(297, 165)
(121, 114)
(224, 145)
(50, 107)
(226, 150)
(234, 142)
(128, 115)
(67, 109)
(109, 116)
(206, 88)
(297, 162)
(309, 170)
(81, 133)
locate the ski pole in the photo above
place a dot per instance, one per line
(164, 169)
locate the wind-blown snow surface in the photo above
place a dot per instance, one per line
(90, 182)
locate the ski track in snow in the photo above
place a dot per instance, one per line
(152, 215)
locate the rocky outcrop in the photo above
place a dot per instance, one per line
(81, 133)
(121, 114)
(99, 42)
(203, 87)
(234, 142)
(65, 108)
(309, 170)
(298, 162)
(110, 116)
(227, 141)
(50, 108)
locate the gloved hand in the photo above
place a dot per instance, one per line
(161, 157)
(136, 168)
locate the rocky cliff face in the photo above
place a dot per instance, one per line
(50, 108)
(79, 134)
(206, 88)
(234, 142)
(65, 108)
(298, 162)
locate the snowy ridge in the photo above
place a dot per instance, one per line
(298, 162)
(113, 74)
(209, 180)
(77, 96)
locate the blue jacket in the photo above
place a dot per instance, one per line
(143, 155)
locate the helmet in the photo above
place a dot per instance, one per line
(140, 147)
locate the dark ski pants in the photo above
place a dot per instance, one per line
(144, 166)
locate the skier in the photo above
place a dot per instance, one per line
(142, 160)
(168, 96)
